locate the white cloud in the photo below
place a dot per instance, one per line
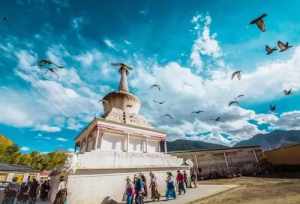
(66, 97)
(127, 42)
(70, 149)
(109, 44)
(288, 121)
(47, 128)
(212, 95)
(205, 44)
(25, 149)
(76, 23)
(61, 139)
(266, 118)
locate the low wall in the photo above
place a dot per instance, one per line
(92, 187)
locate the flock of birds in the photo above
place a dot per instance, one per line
(50, 66)
(282, 47)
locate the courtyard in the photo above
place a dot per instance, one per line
(252, 190)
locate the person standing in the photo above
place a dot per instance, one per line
(10, 192)
(129, 191)
(170, 186)
(23, 194)
(185, 179)
(153, 186)
(145, 193)
(33, 190)
(180, 182)
(45, 188)
(194, 179)
(61, 194)
(139, 190)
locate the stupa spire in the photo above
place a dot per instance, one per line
(124, 71)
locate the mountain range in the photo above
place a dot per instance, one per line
(267, 141)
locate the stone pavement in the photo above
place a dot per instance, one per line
(200, 192)
(192, 194)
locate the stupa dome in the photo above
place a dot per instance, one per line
(122, 100)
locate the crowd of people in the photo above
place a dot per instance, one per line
(137, 189)
(30, 191)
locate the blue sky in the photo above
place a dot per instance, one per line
(190, 48)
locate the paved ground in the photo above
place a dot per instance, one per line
(194, 194)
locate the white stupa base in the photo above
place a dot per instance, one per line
(99, 175)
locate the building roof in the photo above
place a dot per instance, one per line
(15, 167)
(217, 149)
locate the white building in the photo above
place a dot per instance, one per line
(118, 145)
(224, 161)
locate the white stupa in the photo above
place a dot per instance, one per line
(120, 144)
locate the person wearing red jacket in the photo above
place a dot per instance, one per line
(180, 182)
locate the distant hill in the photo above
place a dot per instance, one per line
(273, 139)
(178, 145)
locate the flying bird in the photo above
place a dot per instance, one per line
(283, 46)
(272, 108)
(270, 50)
(287, 92)
(260, 23)
(233, 102)
(155, 86)
(168, 116)
(4, 19)
(236, 74)
(197, 112)
(122, 65)
(239, 96)
(49, 66)
(159, 102)
(217, 119)
(44, 62)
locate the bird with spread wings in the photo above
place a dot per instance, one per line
(259, 22)
(236, 74)
(283, 46)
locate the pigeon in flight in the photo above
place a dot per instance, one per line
(260, 23)
(155, 86)
(236, 74)
(287, 92)
(217, 119)
(168, 116)
(270, 50)
(283, 46)
(233, 103)
(272, 108)
(159, 102)
(241, 95)
(45, 62)
(197, 112)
